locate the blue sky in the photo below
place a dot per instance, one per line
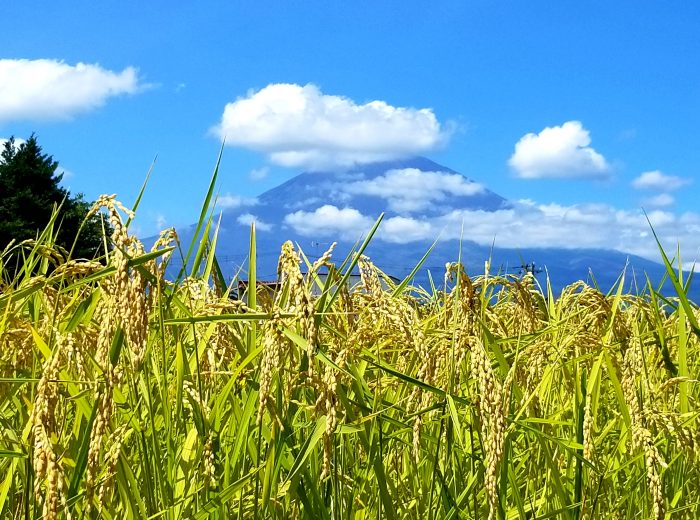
(609, 91)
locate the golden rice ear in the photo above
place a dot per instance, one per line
(324, 259)
(273, 340)
(48, 473)
(491, 415)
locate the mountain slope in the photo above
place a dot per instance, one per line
(419, 198)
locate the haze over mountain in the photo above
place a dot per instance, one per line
(421, 200)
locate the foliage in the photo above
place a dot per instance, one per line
(30, 190)
(123, 394)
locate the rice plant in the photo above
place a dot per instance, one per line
(127, 394)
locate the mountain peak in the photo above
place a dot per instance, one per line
(402, 186)
(374, 168)
(420, 199)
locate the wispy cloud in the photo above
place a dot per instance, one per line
(230, 201)
(656, 180)
(662, 200)
(259, 174)
(44, 89)
(67, 174)
(410, 189)
(558, 152)
(301, 126)
(161, 222)
(248, 218)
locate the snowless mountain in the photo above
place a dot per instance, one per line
(421, 200)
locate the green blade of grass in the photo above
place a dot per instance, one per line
(307, 448)
(677, 284)
(203, 215)
(400, 288)
(353, 263)
(135, 207)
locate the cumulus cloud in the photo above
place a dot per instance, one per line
(247, 219)
(658, 181)
(410, 190)
(258, 174)
(524, 225)
(328, 220)
(558, 151)
(230, 201)
(406, 229)
(50, 89)
(597, 226)
(300, 126)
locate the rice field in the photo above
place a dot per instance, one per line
(126, 394)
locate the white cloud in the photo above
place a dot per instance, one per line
(328, 220)
(303, 203)
(247, 219)
(662, 200)
(558, 151)
(525, 225)
(230, 201)
(50, 89)
(300, 126)
(659, 181)
(405, 229)
(693, 265)
(597, 226)
(410, 189)
(258, 174)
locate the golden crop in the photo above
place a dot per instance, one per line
(125, 395)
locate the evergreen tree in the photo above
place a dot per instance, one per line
(29, 191)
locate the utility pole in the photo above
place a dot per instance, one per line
(530, 268)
